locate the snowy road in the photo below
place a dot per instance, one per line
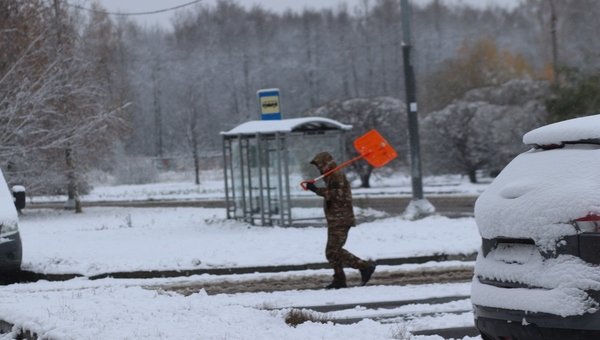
(454, 310)
(451, 205)
(317, 279)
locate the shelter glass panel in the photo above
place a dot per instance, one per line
(303, 148)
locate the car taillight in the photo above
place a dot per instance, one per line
(589, 224)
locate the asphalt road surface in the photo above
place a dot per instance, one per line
(451, 206)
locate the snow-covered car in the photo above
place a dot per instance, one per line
(537, 275)
(11, 251)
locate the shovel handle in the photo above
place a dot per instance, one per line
(303, 184)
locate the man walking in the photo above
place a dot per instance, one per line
(337, 204)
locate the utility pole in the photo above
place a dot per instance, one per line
(419, 206)
(158, 121)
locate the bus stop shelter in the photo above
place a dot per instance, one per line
(265, 161)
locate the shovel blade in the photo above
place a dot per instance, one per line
(375, 149)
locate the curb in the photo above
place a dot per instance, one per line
(27, 276)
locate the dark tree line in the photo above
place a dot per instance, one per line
(227, 53)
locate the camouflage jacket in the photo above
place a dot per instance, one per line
(337, 194)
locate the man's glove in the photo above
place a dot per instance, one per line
(311, 186)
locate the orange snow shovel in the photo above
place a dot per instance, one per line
(372, 147)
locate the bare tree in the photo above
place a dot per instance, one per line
(48, 97)
(484, 129)
(192, 120)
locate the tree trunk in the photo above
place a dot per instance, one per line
(473, 175)
(364, 180)
(196, 161)
(73, 202)
(365, 176)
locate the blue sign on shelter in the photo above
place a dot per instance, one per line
(270, 104)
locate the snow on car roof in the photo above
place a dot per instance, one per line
(539, 193)
(573, 130)
(286, 125)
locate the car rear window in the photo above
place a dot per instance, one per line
(578, 130)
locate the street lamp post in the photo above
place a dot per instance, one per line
(554, 43)
(419, 206)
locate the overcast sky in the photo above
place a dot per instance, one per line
(278, 6)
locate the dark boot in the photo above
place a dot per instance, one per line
(336, 285)
(366, 273)
(339, 278)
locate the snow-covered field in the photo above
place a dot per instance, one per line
(105, 240)
(177, 187)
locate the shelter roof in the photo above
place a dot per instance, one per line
(286, 126)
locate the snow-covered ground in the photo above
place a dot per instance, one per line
(105, 240)
(176, 187)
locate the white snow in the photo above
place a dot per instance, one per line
(18, 188)
(571, 130)
(124, 239)
(105, 240)
(283, 125)
(562, 281)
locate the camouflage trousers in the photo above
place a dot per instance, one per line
(337, 256)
